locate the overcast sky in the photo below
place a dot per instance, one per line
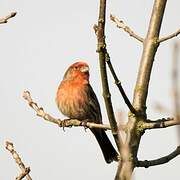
(38, 45)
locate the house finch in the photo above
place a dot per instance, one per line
(77, 100)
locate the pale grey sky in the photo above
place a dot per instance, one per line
(36, 48)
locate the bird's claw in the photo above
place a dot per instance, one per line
(84, 124)
(64, 124)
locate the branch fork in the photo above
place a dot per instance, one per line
(121, 25)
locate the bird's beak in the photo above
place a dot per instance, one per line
(84, 69)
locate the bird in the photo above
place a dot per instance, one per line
(76, 99)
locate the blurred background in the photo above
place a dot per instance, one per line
(38, 45)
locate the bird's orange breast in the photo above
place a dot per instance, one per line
(71, 99)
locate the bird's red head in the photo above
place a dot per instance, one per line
(77, 70)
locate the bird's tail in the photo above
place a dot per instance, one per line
(106, 146)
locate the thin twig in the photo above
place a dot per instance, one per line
(118, 84)
(5, 19)
(175, 34)
(159, 161)
(120, 24)
(160, 123)
(66, 122)
(25, 171)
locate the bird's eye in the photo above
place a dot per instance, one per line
(75, 67)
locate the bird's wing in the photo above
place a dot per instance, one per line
(94, 107)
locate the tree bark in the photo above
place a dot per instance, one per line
(134, 131)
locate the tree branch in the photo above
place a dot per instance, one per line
(169, 36)
(25, 171)
(159, 161)
(120, 24)
(150, 47)
(66, 122)
(5, 19)
(160, 123)
(134, 133)
(118, 83)
(101, 49)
